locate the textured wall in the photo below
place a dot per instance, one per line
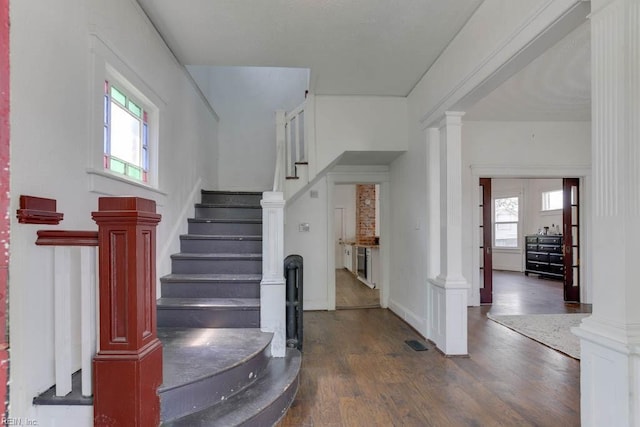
(365, 213)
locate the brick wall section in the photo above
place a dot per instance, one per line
(365, 213)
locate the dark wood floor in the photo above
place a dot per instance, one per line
(515, 293)
(352, 293)
(357, 371)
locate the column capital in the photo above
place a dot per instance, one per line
(452, 118)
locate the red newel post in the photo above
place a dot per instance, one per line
(128, 366)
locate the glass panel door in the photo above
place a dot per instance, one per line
(571, 238)
(486, 262)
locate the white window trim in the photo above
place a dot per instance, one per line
(108, 65)
(549, 211)
(503, 249)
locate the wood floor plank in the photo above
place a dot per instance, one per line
(352, 293)
(358, 371)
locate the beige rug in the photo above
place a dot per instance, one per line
(552, 330)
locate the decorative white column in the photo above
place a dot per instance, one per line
(272, 287)
(448, 291)
(610, 338)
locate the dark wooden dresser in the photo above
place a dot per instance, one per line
(543, 255)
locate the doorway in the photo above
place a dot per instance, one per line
(529, 240)
(356, 241)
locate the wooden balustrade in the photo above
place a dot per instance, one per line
(63, 241)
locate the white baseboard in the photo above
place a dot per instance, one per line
(410, 317)
(58, 416)
(311, 305)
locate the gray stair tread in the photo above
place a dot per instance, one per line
(211, 278)
(220, 237)
(227, 205)
(190, 354)
(227, 220)
(248, 193)
(209, 303)
(220, 256)
(248, 405)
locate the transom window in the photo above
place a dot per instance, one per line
(126, 134)
(551, 200)
(506, 222)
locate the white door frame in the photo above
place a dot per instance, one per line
(526, 172)
(360, 175)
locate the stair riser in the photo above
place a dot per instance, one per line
(224, 228)
(232, 199)
(211, 290)
(277, 409)
(193, 397)
(228, 213)
(213, 266)
(209, 246)
(208, 318)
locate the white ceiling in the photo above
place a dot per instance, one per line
(556, 86)
(353, 47)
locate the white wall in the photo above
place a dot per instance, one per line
(409, 228)
(246, 99)
(311, 245)
(53, 88)
(358, 123)
(519, 149)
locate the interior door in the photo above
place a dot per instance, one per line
(571, 238)
(486, 258)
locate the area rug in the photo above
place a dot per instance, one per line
(552, 330)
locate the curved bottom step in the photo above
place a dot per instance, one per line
(263, 403)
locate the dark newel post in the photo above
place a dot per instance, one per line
(128, 366)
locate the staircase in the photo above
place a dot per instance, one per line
(218, 369)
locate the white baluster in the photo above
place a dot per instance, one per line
(88, 285)
(62, 319)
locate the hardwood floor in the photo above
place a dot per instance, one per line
(358, 371)
(352, 293)
(515, 293)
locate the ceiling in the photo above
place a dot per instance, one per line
(372, 47)
(556, 86)
(352, 47)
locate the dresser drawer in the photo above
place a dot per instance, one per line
(537, 266)
(532, 247)
(556, 258)
(556, 269)
(532, 239)
(537, 256)
(550, 248)
(551, 240)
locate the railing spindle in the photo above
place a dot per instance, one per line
(62, 319)
(88, 284)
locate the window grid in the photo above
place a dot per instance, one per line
(114, 97)
(552, 200)
(506, 218)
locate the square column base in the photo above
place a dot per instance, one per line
(448, 316)
(128, 392)
(609, 374)
(273, 297)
